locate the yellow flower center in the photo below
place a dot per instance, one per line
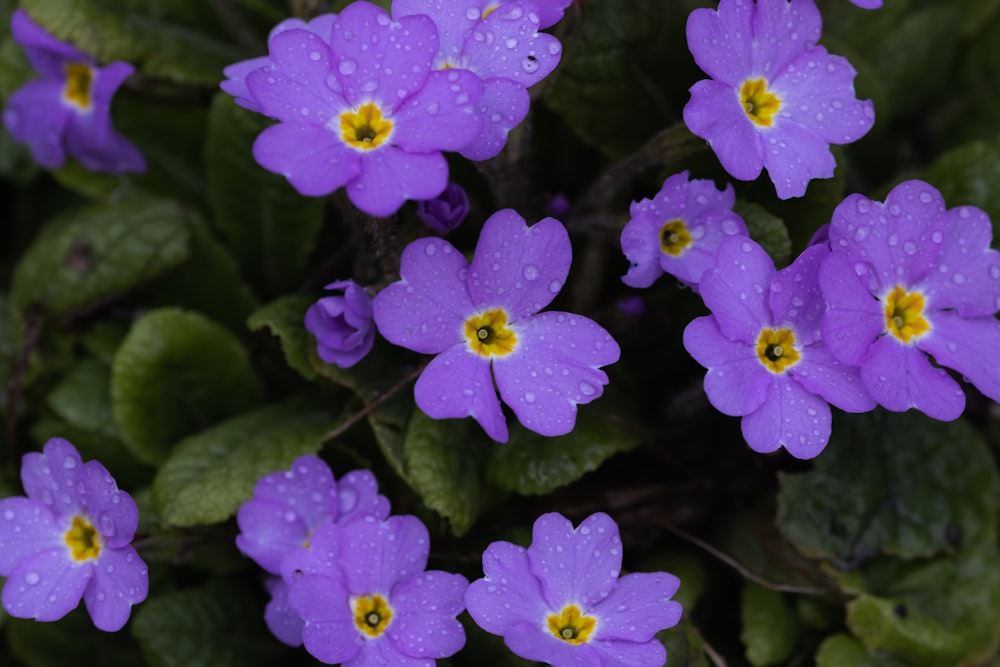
(83, 540)
(571, 626)
(372, 614)
(776, 349)
(365, 128)
(489, 335)
(674, 238)
(904, 314)
(79, 79)
(758, 102)
(489, 9)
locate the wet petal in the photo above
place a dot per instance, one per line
(120, 580)
(426, 606)
(714, 114)
(442, 115)
(790, 417)
(46, 586)
(638, 607)
(27, 527)
(389, 176)
(314, 161)
(736, 291)
(901, 377)
(506, 595)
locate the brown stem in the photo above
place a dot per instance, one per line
(378, 400)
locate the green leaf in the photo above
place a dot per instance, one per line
(171, 40)
(766, 229)
(83, 398)
(842, 650)
(770, 627)
(210, 474)
(685, 647)
(270, 227)
(967, 176)
(177, 373)
(285, 318)
(218, 625)
(446, 465)
(531, 464)
(944, 611)
(73, 640)
(91, 255)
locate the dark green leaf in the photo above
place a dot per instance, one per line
(899, 484)
(685, 647)
(177, 373)
(766, 229)
(83, 398)
(843, 650)
(209, 475)
(770, 627)
(285, 318)
(967, 176)
(73, 640)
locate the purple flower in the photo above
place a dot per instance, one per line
(775, 99)
(374, 604)
(68, 110)
(907, 280)
(482, 316)
(235, 83)
(868, 4)
(445, 212)
(362, 111)
(560, 601)
(678, 231)
(764, 353)
(70, 538)
(501, 44)
(342, 324)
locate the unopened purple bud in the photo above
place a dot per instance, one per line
(558, 206)
(342, 324)
(445, 212)
(821, 236)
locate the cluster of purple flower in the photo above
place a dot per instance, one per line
(349, 581)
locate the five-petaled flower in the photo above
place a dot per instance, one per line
(909, 278)
(366, 600)
(764, 353)
(68, 110)
(560, 601)
(678, 231)
(775, 99)
(70, 538)
(482, 316)
(342, 324)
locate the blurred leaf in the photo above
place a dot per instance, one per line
(217, 625)
(766, 229)
(270, 227)
(899, 484)
(685, 646)
(842, 650)
(177, 373)
(770, 627)
(166, 39)
(73, 640)
(91, 255)
(285, 318)
(531, 464)
(967, 176)
(210, 474)
(446, 465)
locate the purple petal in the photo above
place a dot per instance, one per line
(46, 54)
(793, 155)
(269, 529)
(714, 113)
(782, 30)
(736, 291)
(27, 527)
(736, 382)
(638, 607)
(52, 475)
(390, 176)
(381, 652)
(517, 267)
(441, 116)
(507, 595)
(901, 377)
(34, 115)
(454, 21)
(839, 384)
(967, 277)
(818, 93)
(720, 41)
(550, 12)
(376, 555)
(280, 618)
(854, 318)
(708, 231)
(503, 105)
(795, 295)
(575, 566)
(640, 241)
(554, 368)
(425, 310)
(644, 654)
(120, 581)
(329, 633)
(970, 346)
(791, 417)
(672, 199)
(507, 44)
(369, 63)
(457, 383)
(358, 496)
(46, 586)
(424, 625)
(322, 556)
(868, 4)
(315, 161)
(534, 641)
(236, 85)
(113, 512)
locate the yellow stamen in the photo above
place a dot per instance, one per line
(489, 9)
(904, 314)
(372, 614)
(571, 626)
(83, 540)
(674, 238)
(776, 349)
(489, 335)
(759, 103)
(365, 128)
(79, 80)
